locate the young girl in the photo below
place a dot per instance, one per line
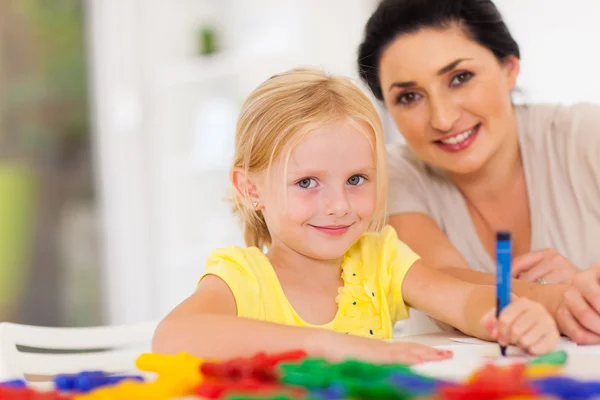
(320, 274)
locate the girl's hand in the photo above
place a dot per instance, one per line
(544, 266)
(523, 323)
(337, 347)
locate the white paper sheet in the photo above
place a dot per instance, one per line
(468, 359)
(471, 354)
(563, 342)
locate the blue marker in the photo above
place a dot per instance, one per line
(503, 278)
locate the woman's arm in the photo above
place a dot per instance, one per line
(421, 233)
(423, 236)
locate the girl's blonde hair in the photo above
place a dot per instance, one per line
(286, 107)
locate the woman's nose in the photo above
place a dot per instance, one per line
(443, 113)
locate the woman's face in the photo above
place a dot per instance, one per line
(449, 97)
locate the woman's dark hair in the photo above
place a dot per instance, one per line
(480, 20)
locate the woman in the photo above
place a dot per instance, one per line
(475, 163)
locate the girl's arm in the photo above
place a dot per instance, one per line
(470, 309)
(448, 299)
(206, 325)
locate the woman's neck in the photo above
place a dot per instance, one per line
(498, 176)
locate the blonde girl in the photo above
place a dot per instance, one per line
(321, 271)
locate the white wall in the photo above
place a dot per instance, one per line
(560, 59)
(120, 158)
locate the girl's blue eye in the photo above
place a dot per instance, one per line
(356, 180)
(307, 183)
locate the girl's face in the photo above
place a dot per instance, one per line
(329, 196)
(449, 97)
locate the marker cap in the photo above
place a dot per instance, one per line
(503, 235)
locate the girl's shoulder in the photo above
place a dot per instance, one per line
(238, 258)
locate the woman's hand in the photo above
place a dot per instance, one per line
(544, 266)
(578, 315)
(523, 323)
(337, 347)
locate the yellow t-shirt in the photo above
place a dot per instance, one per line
(369, 303)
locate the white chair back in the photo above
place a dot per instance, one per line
(27, 350)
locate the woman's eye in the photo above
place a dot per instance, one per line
(461, 78)
(307, 183)
(407, 98)
(356, 180)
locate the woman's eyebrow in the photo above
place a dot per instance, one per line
(451, 66)
(442, 71)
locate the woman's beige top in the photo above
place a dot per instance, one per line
(560, 148)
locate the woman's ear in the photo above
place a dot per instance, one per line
(245, 187)
(512, 66)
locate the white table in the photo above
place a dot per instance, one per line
(583, 361)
